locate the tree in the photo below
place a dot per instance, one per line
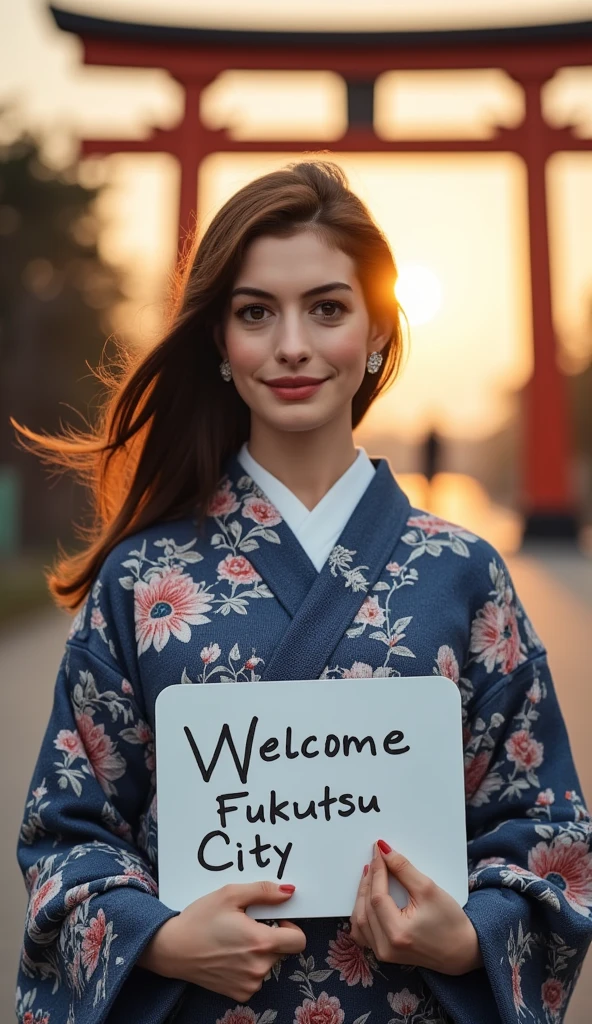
(56, 294)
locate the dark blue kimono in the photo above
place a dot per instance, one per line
(402, 593)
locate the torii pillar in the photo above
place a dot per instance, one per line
(531, 55)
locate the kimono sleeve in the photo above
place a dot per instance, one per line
(529, 834)
(92, 894)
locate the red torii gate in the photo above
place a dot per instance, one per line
(530, 55)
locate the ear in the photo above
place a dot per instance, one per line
(380, 332)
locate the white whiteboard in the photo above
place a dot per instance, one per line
(404, 743)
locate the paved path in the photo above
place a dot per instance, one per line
(556, 590)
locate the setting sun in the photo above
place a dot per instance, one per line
(420, 293)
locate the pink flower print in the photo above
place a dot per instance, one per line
(404, 1002)
(517, 988)
(40, 791)
(552, 994)
(475, 771)
(97, 619)
(517, 870)
(261, 511)
(44, 894)
(143, 732)
(495, 638)
(324, 1010)
(141, 876)
(224, 502)
(77, 894)
(545, 798)
(359, 670)
(127, 687)
(568, 866)
(70, 742)
(240, 1015)
(106, 762)
(168, 604)
(252, 662)
(489, 862)
(92, 941)
(534, 694)
(447, 663)
(347, 958)
(394, 568)
(237, 569)
(370, 613)
(431, 525)
(209, 654)
(526, 752)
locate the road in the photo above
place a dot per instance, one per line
(556, 589)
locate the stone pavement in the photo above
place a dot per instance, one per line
(555, 587)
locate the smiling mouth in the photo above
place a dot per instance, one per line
(293, 388)
(294, 382)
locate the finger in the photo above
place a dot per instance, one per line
(384, 914)
(288, 924)
(379, 941)
(418, 885)
(246, 894)
(287, 939)
(360, 932)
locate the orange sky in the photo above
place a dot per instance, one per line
(463, 217)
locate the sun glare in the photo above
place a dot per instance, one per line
(420, 293)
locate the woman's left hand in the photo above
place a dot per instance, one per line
(431, 931)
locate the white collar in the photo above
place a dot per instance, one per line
(317, 529)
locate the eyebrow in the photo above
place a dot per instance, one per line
(319, 290)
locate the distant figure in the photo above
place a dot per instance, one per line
(432, 456)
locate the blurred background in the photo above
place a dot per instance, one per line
(94, 202)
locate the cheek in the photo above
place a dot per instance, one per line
(346, 350)
(243, 352)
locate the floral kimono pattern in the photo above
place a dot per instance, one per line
(238, 600)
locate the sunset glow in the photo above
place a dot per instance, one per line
(420, 293)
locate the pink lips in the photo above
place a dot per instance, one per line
(294, 388)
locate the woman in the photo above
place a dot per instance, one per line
(240, 536)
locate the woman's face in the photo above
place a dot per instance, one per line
(297, 332)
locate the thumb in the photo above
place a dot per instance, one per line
(407, 874)
(245, 895)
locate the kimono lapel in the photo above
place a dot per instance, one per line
(323, 605)
(269, 544)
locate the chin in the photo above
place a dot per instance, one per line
(298, 420)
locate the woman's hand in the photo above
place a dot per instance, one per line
(214, 944)
(431, 931)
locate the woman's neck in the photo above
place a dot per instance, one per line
(307, 463)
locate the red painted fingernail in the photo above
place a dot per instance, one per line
(287, 888)
(384, 846)
(365, 871)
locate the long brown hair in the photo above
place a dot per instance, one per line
(169, 421)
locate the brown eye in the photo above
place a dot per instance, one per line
(257, 314)
(331, 309)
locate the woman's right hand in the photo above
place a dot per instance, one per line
(214, 944)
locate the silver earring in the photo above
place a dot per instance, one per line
(374, 362)
(225, 370)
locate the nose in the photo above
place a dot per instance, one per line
(293, 346)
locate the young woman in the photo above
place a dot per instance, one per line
(241, 536)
